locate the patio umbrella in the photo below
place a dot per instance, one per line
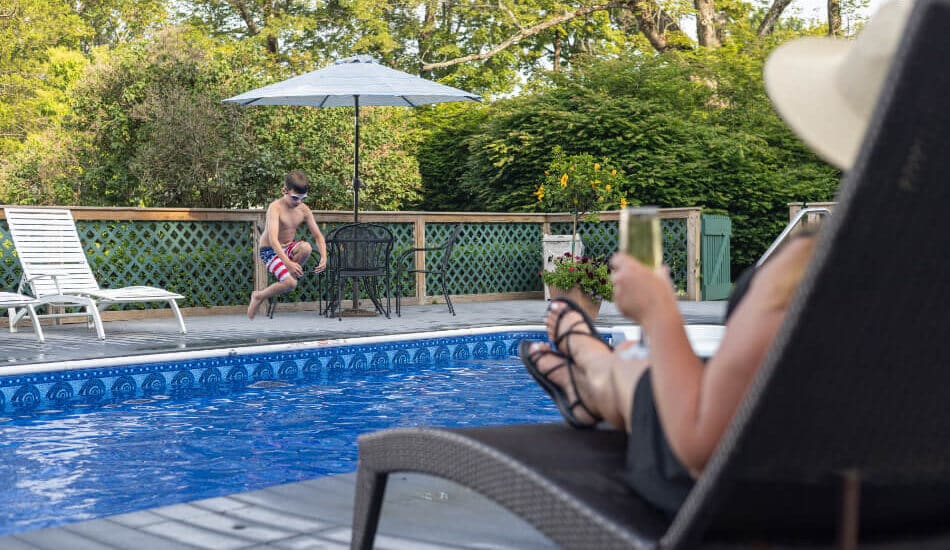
(352, 82)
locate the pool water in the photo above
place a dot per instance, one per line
(87, 462)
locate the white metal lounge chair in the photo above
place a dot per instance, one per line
(12, 301)
(57, 272)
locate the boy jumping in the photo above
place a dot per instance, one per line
(281, 254)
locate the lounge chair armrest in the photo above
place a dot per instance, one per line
(26, 280)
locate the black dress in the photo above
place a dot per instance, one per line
(653, 471)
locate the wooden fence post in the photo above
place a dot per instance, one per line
(260, 272)
(694, 228)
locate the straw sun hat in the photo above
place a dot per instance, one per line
(826, 88)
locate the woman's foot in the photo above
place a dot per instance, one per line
(558, 376)
(571, 331)
(607, 378)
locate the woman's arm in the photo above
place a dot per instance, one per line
(676, 372)
(696, 403)
(749, 336)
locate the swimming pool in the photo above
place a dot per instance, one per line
(93, 442)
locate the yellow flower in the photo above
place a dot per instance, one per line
(540, 192)
(607, 187)
(564, 180)
(596, 166)
(623, 202)
(613, 172)
(600, 199)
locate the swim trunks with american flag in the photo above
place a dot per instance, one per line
(273, 262)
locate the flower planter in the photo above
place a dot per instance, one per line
(583, 301)
(554, 246)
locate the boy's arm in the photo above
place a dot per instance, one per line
(321, 242)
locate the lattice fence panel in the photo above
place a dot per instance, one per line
(402, 237)
(601, 239)
(494, 257)
(194, 259)
(9, 265)
(183, 257)
(674, 251)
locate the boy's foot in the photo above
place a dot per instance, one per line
(255, 304)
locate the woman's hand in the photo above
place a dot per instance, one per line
(638, 290)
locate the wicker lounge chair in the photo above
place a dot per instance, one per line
(56, 271)
(844, 434)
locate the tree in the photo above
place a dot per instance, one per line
(687, 128)
(31, 31)
(771, 17)
(264, 19)
(648, 17)
(834, 17)
(114, 22)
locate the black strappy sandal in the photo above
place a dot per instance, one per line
(557, 393)
(560, 337)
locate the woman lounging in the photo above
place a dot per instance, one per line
(674, 406)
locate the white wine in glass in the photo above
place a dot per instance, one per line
(640, 235)
(641, 238)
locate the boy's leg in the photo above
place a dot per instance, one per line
(260, 296)
(301, 252)
(285, 284)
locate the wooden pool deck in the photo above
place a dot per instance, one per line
(420, 512)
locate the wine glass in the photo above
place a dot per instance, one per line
(641, 238)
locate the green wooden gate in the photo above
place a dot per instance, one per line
(716, 263)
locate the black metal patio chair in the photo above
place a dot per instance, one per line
(359, 254)
(405, 266)
(843, 436)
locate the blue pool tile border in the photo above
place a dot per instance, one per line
(25, 394)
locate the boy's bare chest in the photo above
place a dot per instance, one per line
(289, 220)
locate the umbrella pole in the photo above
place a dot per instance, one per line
(356, 163)
(356, 311)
